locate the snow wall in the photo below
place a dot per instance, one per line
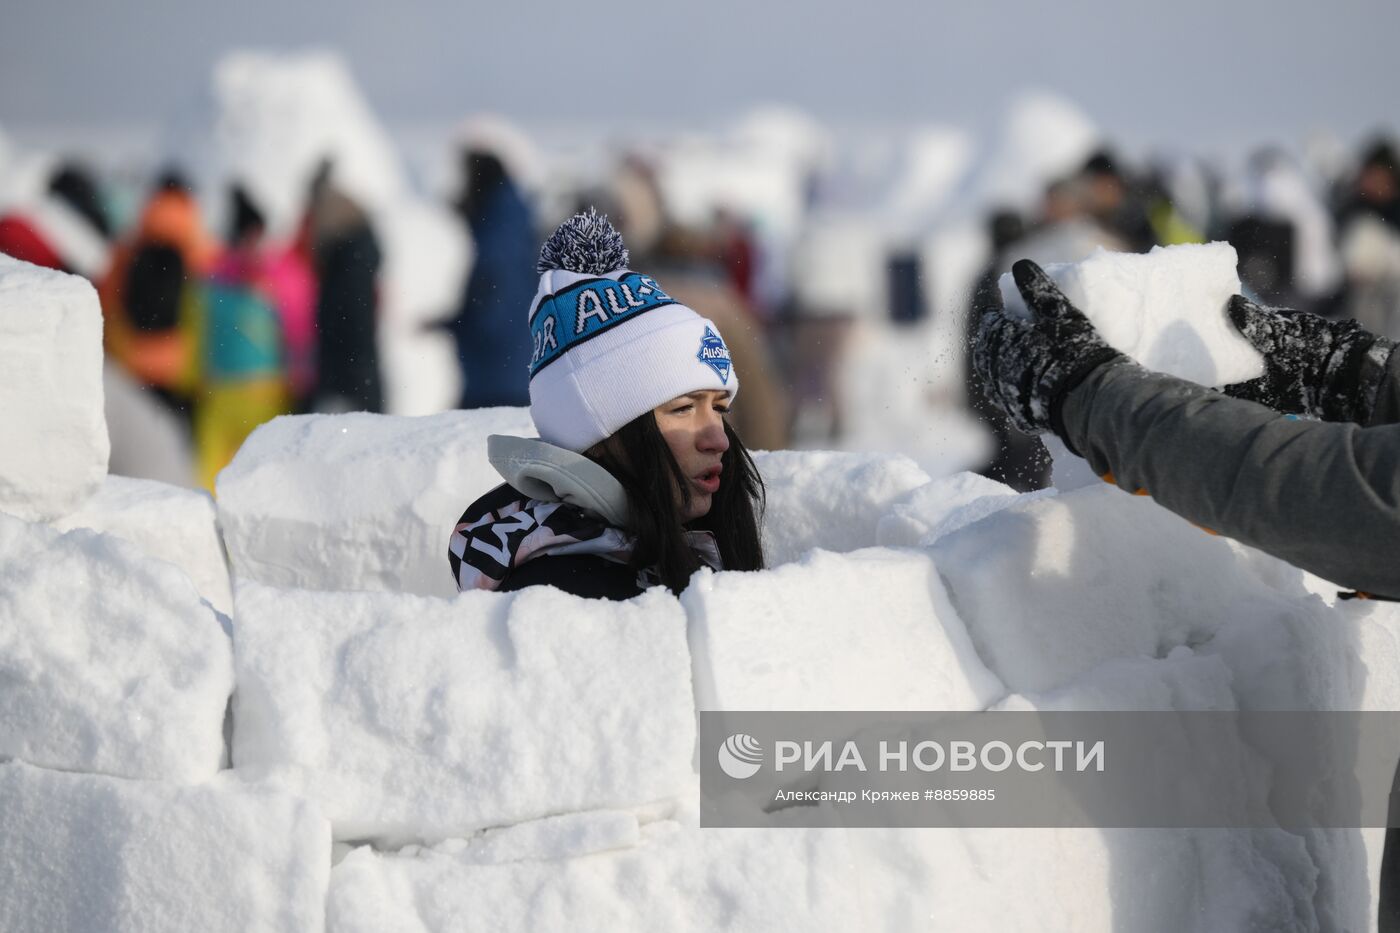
(346, 744)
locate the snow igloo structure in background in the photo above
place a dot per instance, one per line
(267, 121)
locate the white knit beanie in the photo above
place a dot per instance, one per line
(609, 344)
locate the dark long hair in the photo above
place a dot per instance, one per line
(638, 456)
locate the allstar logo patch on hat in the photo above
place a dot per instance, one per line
(714, 354)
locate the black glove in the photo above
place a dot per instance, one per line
(1331, 369)
(1029, 366)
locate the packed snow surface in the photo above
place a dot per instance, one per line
(1165, 309)
(364, 502)
(109, 661)
(944, 505)
(775, 640)
(89, 854)
(428, 718)
(55, 449)
(827, 499)
(659, 876)
(357, 501)
(169, 523)
(1050, 588)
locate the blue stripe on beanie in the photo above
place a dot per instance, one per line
(586, 309)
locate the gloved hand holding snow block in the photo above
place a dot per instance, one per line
(170, 523)
(55, 446)
(869, 630)
(1165, 309)
(1052, 588)
(81, 852)
(357, 501)
(422, 718)
(830, 500)
(671, 877)
(109, 661)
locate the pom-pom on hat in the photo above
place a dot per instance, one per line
(609, 343)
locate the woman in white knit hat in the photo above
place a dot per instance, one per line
(637, 479)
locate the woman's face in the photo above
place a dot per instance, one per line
(693, 426)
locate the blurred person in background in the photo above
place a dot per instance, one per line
(1284, 235)
(493, 349)
(737, 254)
(251, 295)
(1111, 198)
(151, 293)
(65, 227)
(691, 264)
(1265, 247)
(1063, 230)
(1170, 224)
(1369, 240)
(290, 273)
(347, 257)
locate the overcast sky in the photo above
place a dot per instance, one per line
(1178, 71)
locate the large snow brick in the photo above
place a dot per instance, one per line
(109, 661)
(1085, 880)
(1051, 588)
(658, 876)
(870, 630)
(357, 501)
(828, 499)
(1165, 309)
(83, 853)
(935, 509)
(423, 718)
(170, 523)
(55, 450)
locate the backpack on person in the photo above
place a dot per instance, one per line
(155, 284)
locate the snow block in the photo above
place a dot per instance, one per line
(169, 523)
(80, 852)
(420, 718)
(657, 876)
(357, 501)
(828, 499)
(1086, 880)
(870, 630)
(604, 872)
(109, 661)
(935, 509)
(1165, 309)
(1051, 588)
(56, 447)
